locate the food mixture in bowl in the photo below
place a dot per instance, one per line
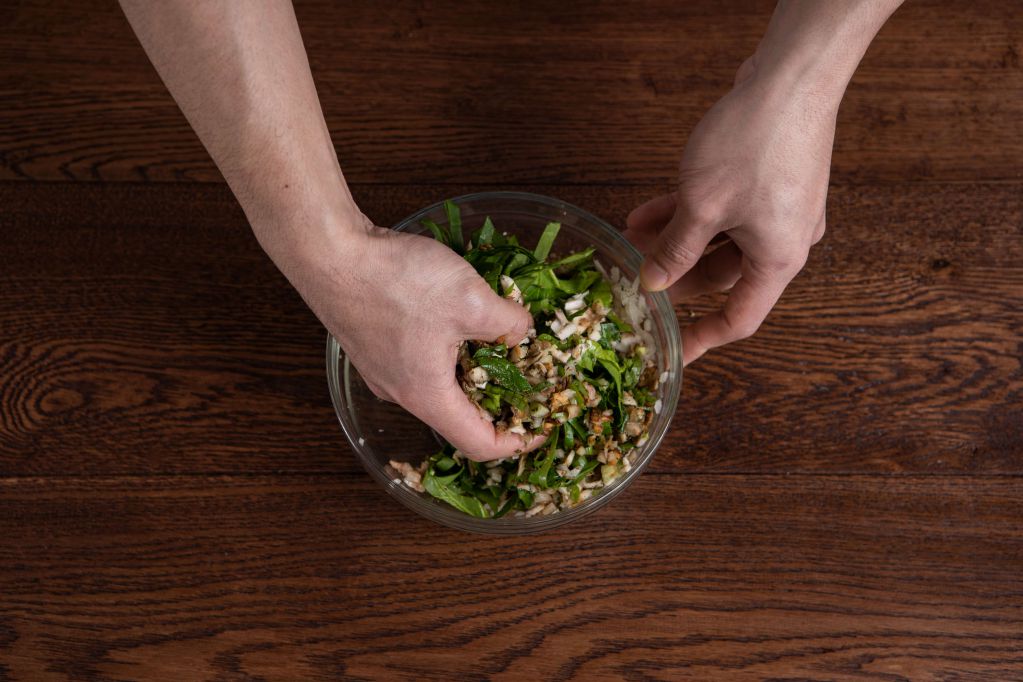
(584, 376)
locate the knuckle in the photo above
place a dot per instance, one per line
(474, 303)
(380, 393)
(795, 264)
(633, 217)
(398, 396)
(742, 328)
(786, 265)
(674, 251)
(704, 212)
(476, 455)
(700, 199)
(819, 233)
(719, 279)
(426, 386)
(478, 449)
(520, 326)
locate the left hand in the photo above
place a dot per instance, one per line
(755, 170)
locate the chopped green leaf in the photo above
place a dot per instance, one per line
(491, 403)
(546, 241)
(573, 260)
(579, 431)
(623, 326)
(501, 370)
(445, 464)
(550, 338)
(510, 504)
(601, 291)
(455, 240)
(632, 370)
(569, 439)
(438, 233)
(444, 489)
(581, 282)
(546, 285)
(585, 471)
(486, 233)
(609, 332)
(545, 465)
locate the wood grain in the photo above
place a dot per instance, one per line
(153, 336)
(837, 578)
(518, 92)
(838, 498)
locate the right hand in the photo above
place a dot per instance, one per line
(400, 305)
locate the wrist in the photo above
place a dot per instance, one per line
(310, 232)
(291, 188)
(784, 82)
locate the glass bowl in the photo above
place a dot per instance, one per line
(380, 431)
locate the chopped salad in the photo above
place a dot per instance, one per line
(584, 376)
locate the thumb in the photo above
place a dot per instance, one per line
(498, 319)
(679, 246)
(464, 426)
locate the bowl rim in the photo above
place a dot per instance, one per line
(338, 379)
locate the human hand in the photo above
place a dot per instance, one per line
(755, 170)
(400, 305)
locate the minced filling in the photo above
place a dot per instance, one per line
(584, 376)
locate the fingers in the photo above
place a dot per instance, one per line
(716, 271)
(463, 425)
(748, 304)
(643, 240)
(654, 214)
(489, 317)
(679, 247)
(646, 220)
(719, 270)
(818, 231)
(378, 391)
(673, 237)
(746, 70)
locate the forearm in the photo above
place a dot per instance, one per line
(816, 45)
(239, 72)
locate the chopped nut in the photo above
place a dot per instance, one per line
(478, 377)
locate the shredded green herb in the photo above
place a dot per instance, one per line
(583, 378)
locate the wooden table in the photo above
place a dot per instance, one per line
(840, 498)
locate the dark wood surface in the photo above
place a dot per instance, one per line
(519, 92)
(703, 576)
(839, 498)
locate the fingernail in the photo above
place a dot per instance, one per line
(653, 276)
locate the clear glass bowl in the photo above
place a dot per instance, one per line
(380, 431)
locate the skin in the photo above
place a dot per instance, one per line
(755, 169)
